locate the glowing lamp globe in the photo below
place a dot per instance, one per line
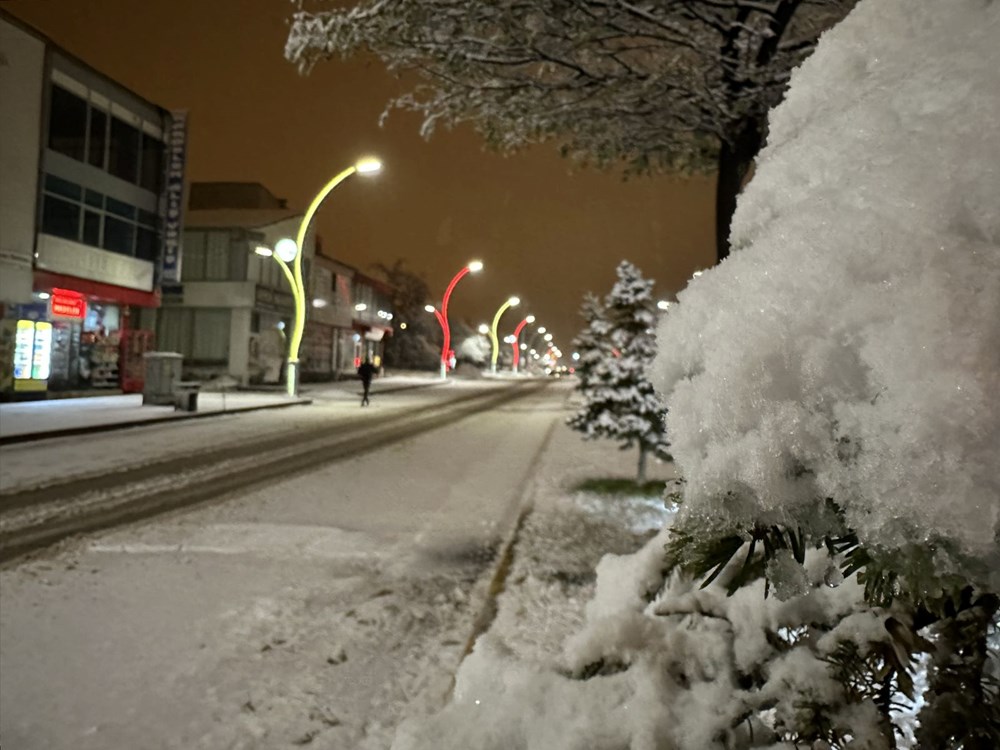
(286, 249)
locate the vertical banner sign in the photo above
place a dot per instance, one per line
(173, 227)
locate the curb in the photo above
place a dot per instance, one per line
(28, 437)
(498, 580)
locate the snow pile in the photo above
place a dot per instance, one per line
(850, 347)
(665, 673)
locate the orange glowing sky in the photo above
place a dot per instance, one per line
(545, 230)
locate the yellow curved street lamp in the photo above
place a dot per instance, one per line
(511, 302)
(363, 166)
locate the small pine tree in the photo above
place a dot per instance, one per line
(592, 342)
(618, 346)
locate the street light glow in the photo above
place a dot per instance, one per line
(368, 165)
(264, 251)
(530, 319)
(429, 308)
(548, 336)
(475, 266)
(361, 306)
(286, 249)
(663, 304)
(541, 329)
(484, 329)
(514, 301)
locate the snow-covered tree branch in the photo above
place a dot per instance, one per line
(654, 85)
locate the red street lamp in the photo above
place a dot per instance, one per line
(442, 315)
(515, 343)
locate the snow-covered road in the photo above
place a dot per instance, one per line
(318, 610)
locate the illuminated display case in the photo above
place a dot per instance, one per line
(32, 355)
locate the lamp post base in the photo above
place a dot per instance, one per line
(444, 371)
(292, 379)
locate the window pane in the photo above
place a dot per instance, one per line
(147, 242)
(123, 156)
(211, 336)
(67, 123)
(152, 163)
(149, 219)
(98, 138)
(61, 218)
(121, 209)
(238, 261)
(173, 330)
(95, 199)
(62, 187)
(91, 228)
(217, 257)
(118, 235)
(193, 267)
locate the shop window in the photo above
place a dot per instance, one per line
(118, 235)
(60, 218)
(151, 174)
(67, 123)
(98, 138)
(123, 151)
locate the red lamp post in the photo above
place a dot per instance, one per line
(442, 315)
(516, 342)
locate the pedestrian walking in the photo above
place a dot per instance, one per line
(366, 372)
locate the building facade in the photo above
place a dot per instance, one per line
(83, 213)
(232, 310)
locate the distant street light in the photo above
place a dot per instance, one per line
(511, 302)
(442, 315)
(287, 251)
(515, 342)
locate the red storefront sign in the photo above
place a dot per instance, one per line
(67, 304)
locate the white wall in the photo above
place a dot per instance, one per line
(22, 66)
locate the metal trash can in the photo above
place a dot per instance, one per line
(186, 396)
(161, 371)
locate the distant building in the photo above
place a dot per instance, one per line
(233, 309)
(85, 204)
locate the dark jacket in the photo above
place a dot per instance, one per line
(366, 372)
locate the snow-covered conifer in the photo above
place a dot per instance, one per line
(618, 347)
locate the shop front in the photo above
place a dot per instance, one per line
(75, 337)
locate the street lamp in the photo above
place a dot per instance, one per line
(514, 343)
(511, 302)
(289, 251)
(442, 315)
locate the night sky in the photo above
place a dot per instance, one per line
(545, 230)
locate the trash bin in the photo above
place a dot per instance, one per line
(186, 396)
(161, 371)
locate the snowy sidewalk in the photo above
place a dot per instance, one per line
(35, 419)
(29, 420)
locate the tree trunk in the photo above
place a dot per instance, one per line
(735, 160)
(641, 477)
